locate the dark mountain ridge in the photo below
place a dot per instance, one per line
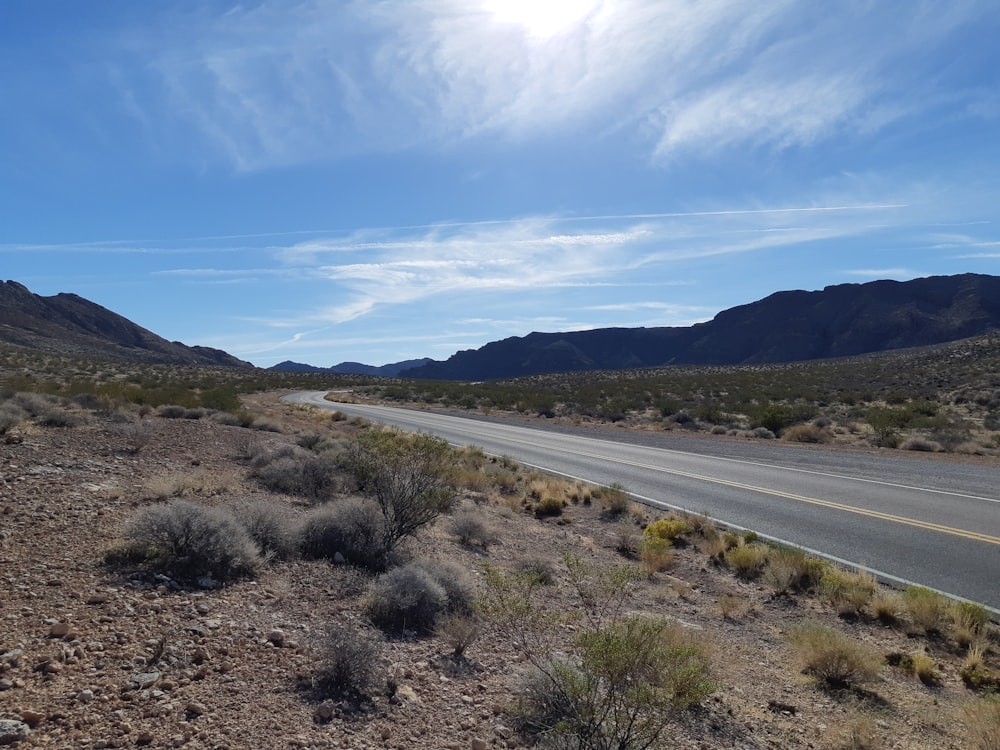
(71, 325)
(841, 320)
(354, 368)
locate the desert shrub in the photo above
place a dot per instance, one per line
(406, 598)
(927, 609)
(350, 663)
(747, 560)
(763, 433)
(624, 690)
(172, 411)
(34, 404)
(455, 581)
(625, 677)
(11, 416)
(188, 541)
(806, 433)
(314, 477)
(547, 507)
(62, 418)
(832, 657)
(667, 529)
(538, 570)
(982, 723)
(975, 674)
(459, 631)
(352, 529)
(920, 444)
(407, 475)
(269, 524)
(315, 443)
(471, 529)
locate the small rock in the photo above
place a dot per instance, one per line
(32, 718)
(277, 637)
(59, 630)
(6, 684)
(85, 696)
(338, 558)
(479, 744)
(386, 733)
(12, 732)
(143, 680)
(144, 738)
(194, 708)
(98, 598)
(207, 582)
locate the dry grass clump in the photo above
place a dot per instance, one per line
(459, 630)
(806, 433)
(887, 605)
(925, 445)
(968, 622)
(655, 554)
(848, 591)
(792, 570)
(417, 595)
(200, 482)
(927, 609)
(271, 525)
(859, 733)
(747, 560)
(832, 657)
(615, 499)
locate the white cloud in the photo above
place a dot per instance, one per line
(277, 84)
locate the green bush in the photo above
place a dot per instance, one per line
(406, 474)
(747, 560)
(626, 678)
(188, 541)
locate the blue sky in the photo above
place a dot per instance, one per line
(389, 179)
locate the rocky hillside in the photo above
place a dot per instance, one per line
(69, 324)
(790, 326)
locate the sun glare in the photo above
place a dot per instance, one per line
(540, 18)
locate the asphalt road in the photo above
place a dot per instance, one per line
(912, 520)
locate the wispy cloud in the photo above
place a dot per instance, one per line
(277, 84)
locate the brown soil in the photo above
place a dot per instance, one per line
(91, 657)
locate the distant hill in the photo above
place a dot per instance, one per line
(71, 325)
(841, 320)
(354, 368)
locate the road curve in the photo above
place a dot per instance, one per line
(930, 523)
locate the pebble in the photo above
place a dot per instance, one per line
(143, 680)
(479, 744)
(32, 718)
(59, 630)
(277, 637)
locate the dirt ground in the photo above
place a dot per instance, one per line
(94, 658)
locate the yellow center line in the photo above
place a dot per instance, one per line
(974, 535)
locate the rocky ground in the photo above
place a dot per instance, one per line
(91, 657)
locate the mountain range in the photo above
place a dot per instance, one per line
(842, 320)
(71, 325)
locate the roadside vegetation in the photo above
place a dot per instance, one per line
(598, 672)
(938, 399)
